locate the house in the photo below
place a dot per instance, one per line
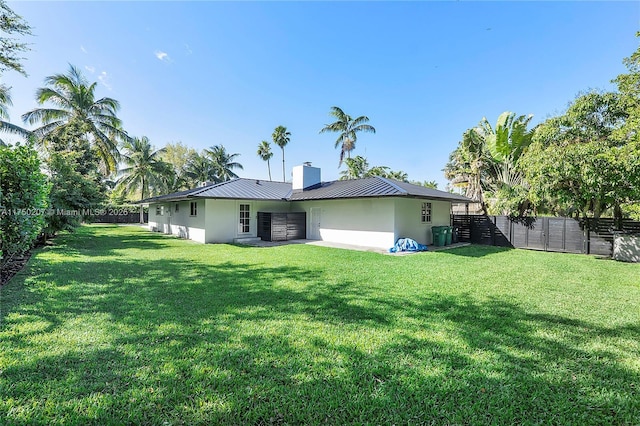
(371, 212)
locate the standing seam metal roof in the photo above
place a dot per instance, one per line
(252, 189)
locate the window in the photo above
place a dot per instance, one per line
(426, 213)
(245, 214)
(177, 207)
(194, 208)
(159, 211)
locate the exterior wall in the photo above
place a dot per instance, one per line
(408, 223)
(374, 222)
(179, 223)
(223, 218)
(365, 222)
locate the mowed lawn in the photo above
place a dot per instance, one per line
(116, 325)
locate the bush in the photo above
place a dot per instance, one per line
(23, 200)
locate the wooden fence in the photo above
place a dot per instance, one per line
(118, 217)
(561, 234)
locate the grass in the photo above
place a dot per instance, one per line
(116, 325)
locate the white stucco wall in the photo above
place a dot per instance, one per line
(179, 223)
(367, 221)
(223, 218)
(408, 223)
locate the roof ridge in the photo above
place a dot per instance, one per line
(393, 185)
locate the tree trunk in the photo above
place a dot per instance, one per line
(141, 206)
(283, 178)
(269, 168)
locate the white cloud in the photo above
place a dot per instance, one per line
(163, 56)
(83, 49)
(90, 68)
(104, 79)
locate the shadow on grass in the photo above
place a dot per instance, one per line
(146, 342)
(475, 250)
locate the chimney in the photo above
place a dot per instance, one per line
(305, 176)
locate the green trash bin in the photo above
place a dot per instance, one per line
(449, 235)
(439, 235)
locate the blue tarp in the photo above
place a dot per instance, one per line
(407, 244)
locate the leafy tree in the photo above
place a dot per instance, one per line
(577, 165)
(177, 155)
(23, 199)
(145, 171)
(10, 47)
(427, 183)
(264, 152)
(223, 163)
(281, 137)
(348, 129)
(357, 167)
(629, 88)
(72, 193)
(74, 100)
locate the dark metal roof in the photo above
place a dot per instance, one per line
(247, 189)
(373, 187)
(252, 189)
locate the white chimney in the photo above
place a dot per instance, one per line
(305, 176)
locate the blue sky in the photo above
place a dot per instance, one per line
(207, 73)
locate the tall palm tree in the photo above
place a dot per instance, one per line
(73, 98)
(348, 129)
(144, 170)
(264, 152)
(281, 137)
(5, 126)
(223, 162)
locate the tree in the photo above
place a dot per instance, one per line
(23, 200)
(357, 168)
(201, 169)
(264, 152)
(177, 155)
(10, 47)
(74, 99)
(223, 163)
(427, 183)
(281, 137)
(5, 126)
(348, 129)
(577, 165)
(144, 172)
(479, 162)
(629, 88)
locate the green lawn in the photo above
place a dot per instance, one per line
(116, 325)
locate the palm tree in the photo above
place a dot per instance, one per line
(200, 169)
(74, 99)
(144, 172)
(223, 162)
(281, 138)
(264, 152)
(5, 126)
(348, 129)
(509, 139)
